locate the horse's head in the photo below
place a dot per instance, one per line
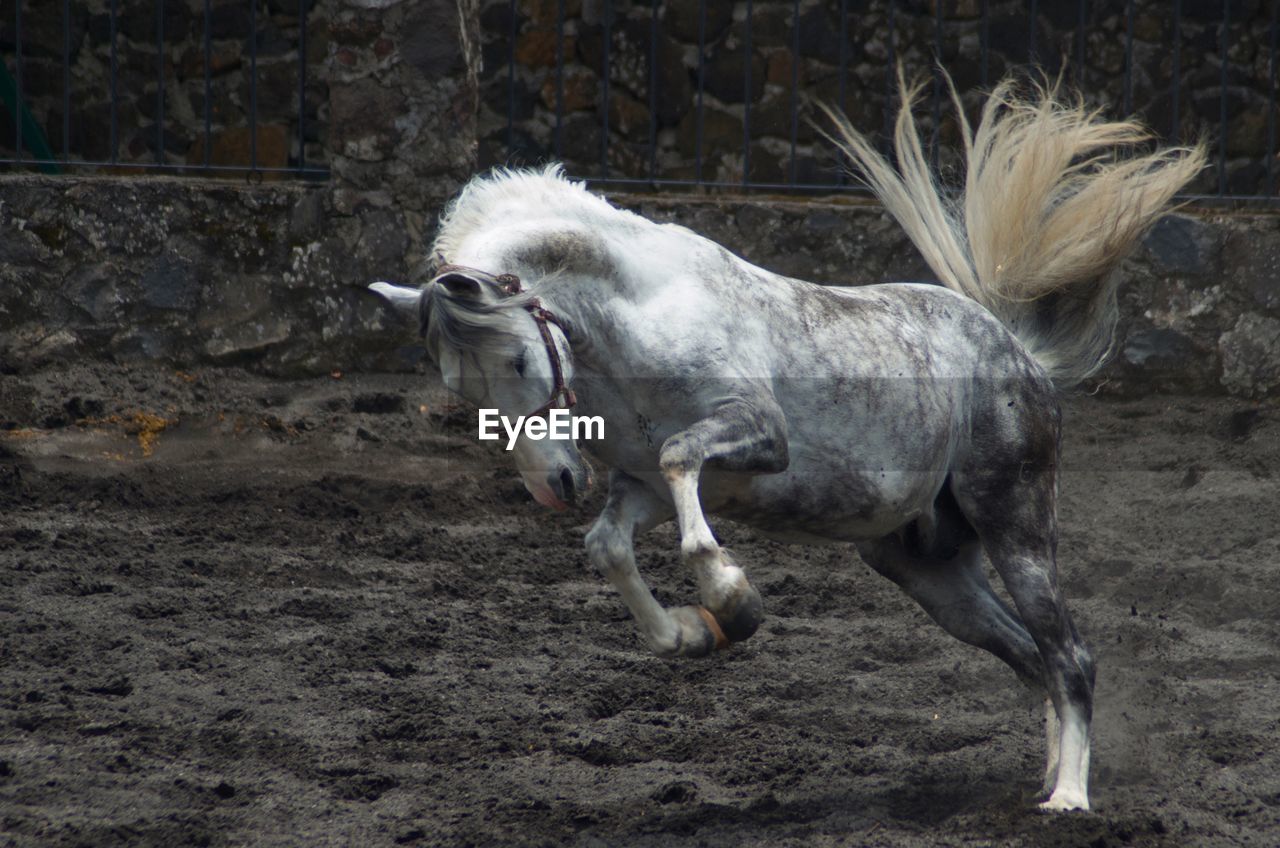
(498, 349)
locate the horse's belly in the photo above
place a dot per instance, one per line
(812, 507)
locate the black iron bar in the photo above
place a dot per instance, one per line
(604, 86)
(1081, 23)
(795, 88)
(253, 85)
(160, 81)
(653, 92)
(936, 135)
(844, 71)
(17, 77)
(702, 69)
(115, 101)
(889, 74)
(1128, 58)
(1271, 99)
(984, 42)
(1222, 99)
(66, 80)
(746, 98)
(1176, 86)
(302, 84)
(208, 84)
(511, 83)
(559, 135)
(1033, 54)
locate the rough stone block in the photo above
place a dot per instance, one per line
(1182, 244)
(628, 116)
(1252, 258)
(726, 75)
(1251, 356)
(538, 48)
(232, 147)
(1158, 348)
(428, 40)
(721, 133)
(170, 283)
(362, 119)
(683, 20)
(545, 12)
(581, 90)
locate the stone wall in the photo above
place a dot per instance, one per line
(774, 62)
(179, 271)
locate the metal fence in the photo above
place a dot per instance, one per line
(167, 86)
(555, 78)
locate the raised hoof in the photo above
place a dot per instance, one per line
(699, 633)
(744, 617)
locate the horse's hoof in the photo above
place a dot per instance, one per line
(743, 619)
(699, 634)
(1065, 802)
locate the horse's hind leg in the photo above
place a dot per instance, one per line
(741, 436)
(955, 593)
(1013, 508)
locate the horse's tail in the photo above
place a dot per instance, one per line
(1048, 209)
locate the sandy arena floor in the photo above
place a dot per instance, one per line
(320, 613)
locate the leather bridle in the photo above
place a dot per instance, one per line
(542, 316)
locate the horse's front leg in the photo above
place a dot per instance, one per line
(742, 436)
(633, 507)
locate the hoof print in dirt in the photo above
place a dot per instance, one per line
(411, 836)
(118, 687)
(378, 403)
(1240, 424)
(677, 792)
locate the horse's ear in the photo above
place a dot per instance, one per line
(461, 285)
(404, 299)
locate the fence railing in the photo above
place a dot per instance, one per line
(174, 86)
(718, 96)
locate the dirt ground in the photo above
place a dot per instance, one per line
(240, 611)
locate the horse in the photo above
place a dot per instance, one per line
(919, 422)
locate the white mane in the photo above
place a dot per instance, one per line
(514, 195)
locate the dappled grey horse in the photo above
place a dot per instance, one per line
(919, 422)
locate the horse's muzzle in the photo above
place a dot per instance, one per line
(561, 487)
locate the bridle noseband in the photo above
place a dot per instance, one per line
(542, 316)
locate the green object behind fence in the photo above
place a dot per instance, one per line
(32, 135)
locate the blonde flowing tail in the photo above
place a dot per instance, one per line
(1050, 205)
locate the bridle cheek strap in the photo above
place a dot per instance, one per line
(542, 316)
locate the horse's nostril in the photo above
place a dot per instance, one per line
(566, 484)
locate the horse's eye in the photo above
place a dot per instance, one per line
(519, 364)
